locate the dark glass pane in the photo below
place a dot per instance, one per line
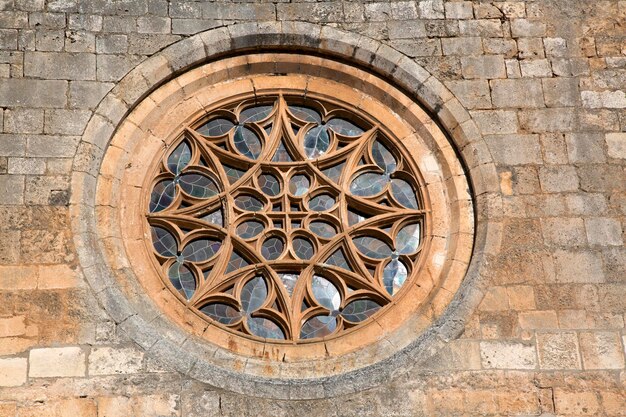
(182, 279)
(282, 154)
(394, 275)
(222, 313)
(215, 218)
(403, 192)
(163, 241)
(200, 250)
(269, 184)
(236, 262)
(338, 259)
(272, 248)
(326, 294)
(253, 294)
(255, 114)
(354, 217)
(303, 248)
(197, 185)
(344, 127)
(162, 195)
(306, 114)
(368, 184)
(334, 172)
(248, 203)
(383, 157)
(247, 142)
(322, 202)
(322, 229)
(263, 327)
(216, 127)
(233, 173)
(372, 247)
(179, 158)
(408, 239)
(319, 326)
(299, 185)
(316, 142)
(289, 281)
(359, 310)
(249, 229)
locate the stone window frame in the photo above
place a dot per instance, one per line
(213, 44)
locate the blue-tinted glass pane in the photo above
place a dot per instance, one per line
(344, 127)
(319, 326)
(316, 142)
(303, 248)
(408, 239)
(179, 158)
(200, 250)
(306, 114)
(253, 294)
(263, 327)
(289, 281)
(326, 293)
(163, 241)
(198, 186)
(282, 154)
(359, 310)
(322, 202)
(216, 127)
(355, 218)
(372, 247)
(272, 248)
(334, 172)
(222, 313)
(247, 142)
(368, 184)
(233, 174)
(403, 192)
(255, 114)
(248, 203)
(338, 259)
(236, 262)
(322, 229)
(383, 157)
(182, 279)
(269, 184)
(215, 218)
(249, 229)
(299, 185)
(394, 275)
(162, 195)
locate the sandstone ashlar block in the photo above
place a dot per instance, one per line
(517, 93)
(66, 122)
(459, 10)
(114, 360)
(60, 65)
(57, 277)
(533, 320)
(604, 99)
(526, 27)
(431, 9)
(488, 28)
(535, 68)
(521, 297)
(12, 326)
(462, 46)
(154, 24)
(616, 144)
(585, 147)
(558, 350)
(87, 94)
(473, 94)
(76, 407)
(576, 403)
(57, 362)
(604, 231)
(578, 267)
(495, 122)
(563, 231)
(33, 93)
(12, 189)
(558, 178)
(530, 48)
(13, 372)
(500, 46)
(22, 120)
(507, 355)
(561, 92)
(514, 149)
(27, 166)
(490, 66)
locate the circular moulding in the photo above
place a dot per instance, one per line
(176, 112)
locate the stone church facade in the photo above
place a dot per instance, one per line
(529, 99)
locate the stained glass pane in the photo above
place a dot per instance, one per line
(255, 114)
(182, 279)
(368, 184)
(403, 192)
(318, 326)
(394, 275)
(253, 294)
(282, 154)
(248, 203)
(408, 239)
(216, 127)
(354, 217)
(303, 248)
(179, 158)
(222, 313)
(233, 174)
(334, 172)
(236, 262)
(269, 184)
(200, 250)
(338, 259)
(215, 218)
(326, 294)
(247, 142)
(372, 247)
(306, 114)
(322, 202)
(383, 157)
(299, 185)
(289, 281)
(272, 248)
(197, 185)
(322, 229)
(162, 195)
(359, 310)
(344, 127)
(249, 229)
(263, 327)
(316, 142)
(163, 241)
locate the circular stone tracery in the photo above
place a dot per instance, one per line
(286, 219)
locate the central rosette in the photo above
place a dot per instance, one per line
(282, 218)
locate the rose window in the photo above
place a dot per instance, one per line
(286, 217)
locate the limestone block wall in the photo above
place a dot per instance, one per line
(543, 82)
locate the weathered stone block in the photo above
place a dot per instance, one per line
(616, 144)
(12, 326)
(87, 94)
(13, 372)
(563, 231)
(60, 66)
(585, 147)
(526, 27)
(514, 149)
(558, 351)
(12, 189)
(490, 66)
(561, 92)
(154, 24)
(604, 231)
(462, 46)
(576, 403)
(533, 320)
(548, 120)
(507, 355)
(517, 93)
(579, 266)
(21, 120)
(111, 44)
(474, 94)
(115, 67)
(535, 68)
(494, 122)
(66, 122)
(459, 10)
(601, 350)
(112, 360)
(57, 362)
(27, 166)
(32, 93)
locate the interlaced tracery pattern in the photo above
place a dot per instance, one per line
(286, 219)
